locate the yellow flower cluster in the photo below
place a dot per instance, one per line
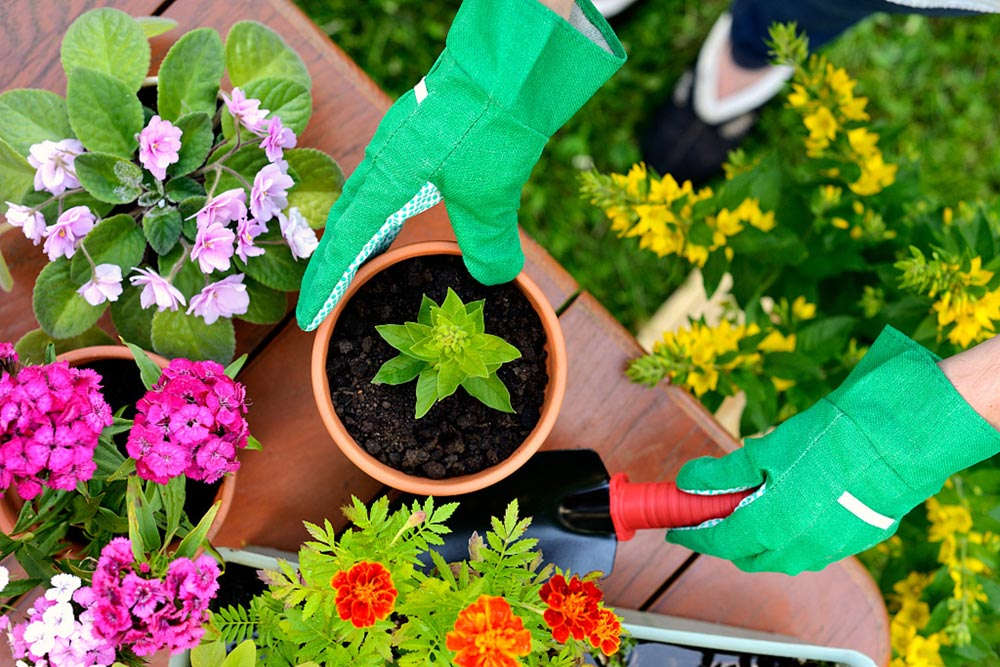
(970, 311)
(910, 648)
(951, 525)
(699, 353)
(824, 96)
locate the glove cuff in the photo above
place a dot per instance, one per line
(919, 423)
(531, 61)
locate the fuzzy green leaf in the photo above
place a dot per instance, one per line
(267, 306)
(276, 268)
(177, 334)
(16, 175)
(181, 188)
(287, 99)
(115, 240)
(196, 142)
(29, 116)
(109, 178)
(61, 312)
(155, 25)
(189, 279)
(188, 80)
(399, 370)
(31, 347)
(162, 228)
(254, 51)
(426, 392)
(132, 322)
(490, 390)
(109, 41)
(246, 162)
(319, 185)
(103, 112)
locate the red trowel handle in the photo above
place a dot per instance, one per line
(636, 506)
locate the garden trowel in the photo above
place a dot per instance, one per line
(580, 512)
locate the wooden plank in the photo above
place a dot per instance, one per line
(839, 606)
(646, 433)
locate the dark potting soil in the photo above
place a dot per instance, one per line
(459, 435)
(121, 385)
(237, 586)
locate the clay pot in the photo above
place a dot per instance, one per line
(554, 392)
(10, 503)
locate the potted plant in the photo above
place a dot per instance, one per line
(447, 416)
(175, 204)
(366, 598)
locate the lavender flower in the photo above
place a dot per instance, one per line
(297, 233)
(278, 137)
(225, 207)
(31, 222)
(159, 142)
(269, 193)
(224, 298)
(213, 247)
(63, 238)
(245, 110)
(247, 229)
(53, 163)
(156, 289)
(105, 285)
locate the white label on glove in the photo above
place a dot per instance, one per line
(863, 512)
(420, 90)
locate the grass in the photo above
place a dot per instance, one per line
(936, 81)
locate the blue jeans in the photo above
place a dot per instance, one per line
(821, 20)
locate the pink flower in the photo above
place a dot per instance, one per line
(159, 142)
(7, 356)
(224, 298)
(299, 236)
(156, 289)
(31, 222)
(53, 163)
(105, 285)
(247, 229)
(225, 207)
(278, 137)
(213, 247)
(63, 238)
(269, 193)
(245, 110)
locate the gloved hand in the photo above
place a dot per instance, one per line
(838, 477)
(511, 74)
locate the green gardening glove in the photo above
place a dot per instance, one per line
(837, 478)
(511, 74)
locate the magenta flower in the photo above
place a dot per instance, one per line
(213, 247)
(224, 298)
(31, 222)
(64, 237)
(156, 289)
(50, 419)
(269, 193)
(225, 207)
(53, 163)
(159, 142)
(7, 356)
(278, 137)
(247, 229)
(105, 285)
(299, 236)
(245, 110)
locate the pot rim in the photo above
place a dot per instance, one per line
(555, 391)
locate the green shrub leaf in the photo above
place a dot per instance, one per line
(276, 268)
(31, 347)
(196, 142)
(115, 240)
(254, 51)
(109, 41)
(162, 227)
(179, 189)
(109, 178)
(131, 321)
(16, 175)
(246, 162)
(399, 370)
(103, 112)
(491, 391)
(155, 25)
(267, 306)
(29, 116)
(177, 334)
(319, 187)
(287, 99)
(61, 312)
(188, 81)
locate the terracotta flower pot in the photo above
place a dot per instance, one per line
(554, 392)
(10, 503)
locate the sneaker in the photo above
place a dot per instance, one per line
(694, 130)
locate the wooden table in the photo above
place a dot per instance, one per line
(648, 433)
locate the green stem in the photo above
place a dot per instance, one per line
(93, 265)
(177, 266)
(236, 175)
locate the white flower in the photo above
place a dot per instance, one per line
(63, 585)
(4, 577)
(31, 222)
(298, 234)
(106, 285)
(59, 619)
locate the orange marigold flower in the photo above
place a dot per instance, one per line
(572, 607)
(607, 636)
(488, 634)
(365, 593)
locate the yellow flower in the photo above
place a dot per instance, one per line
(702, 381)
(863, 142)
(781, 384)
(947, 215)
(946, 519)
(925, 651)
(830, 193)
(854, 108)
(799, 97)
(838, 81)
(902, 635)
(912, 586)
(696, 254)
(876, 175)
(821, 124)
(619, 217)
(635, 178)
(802, 309)
(667, 190)
(913, 613)
(777, 342)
